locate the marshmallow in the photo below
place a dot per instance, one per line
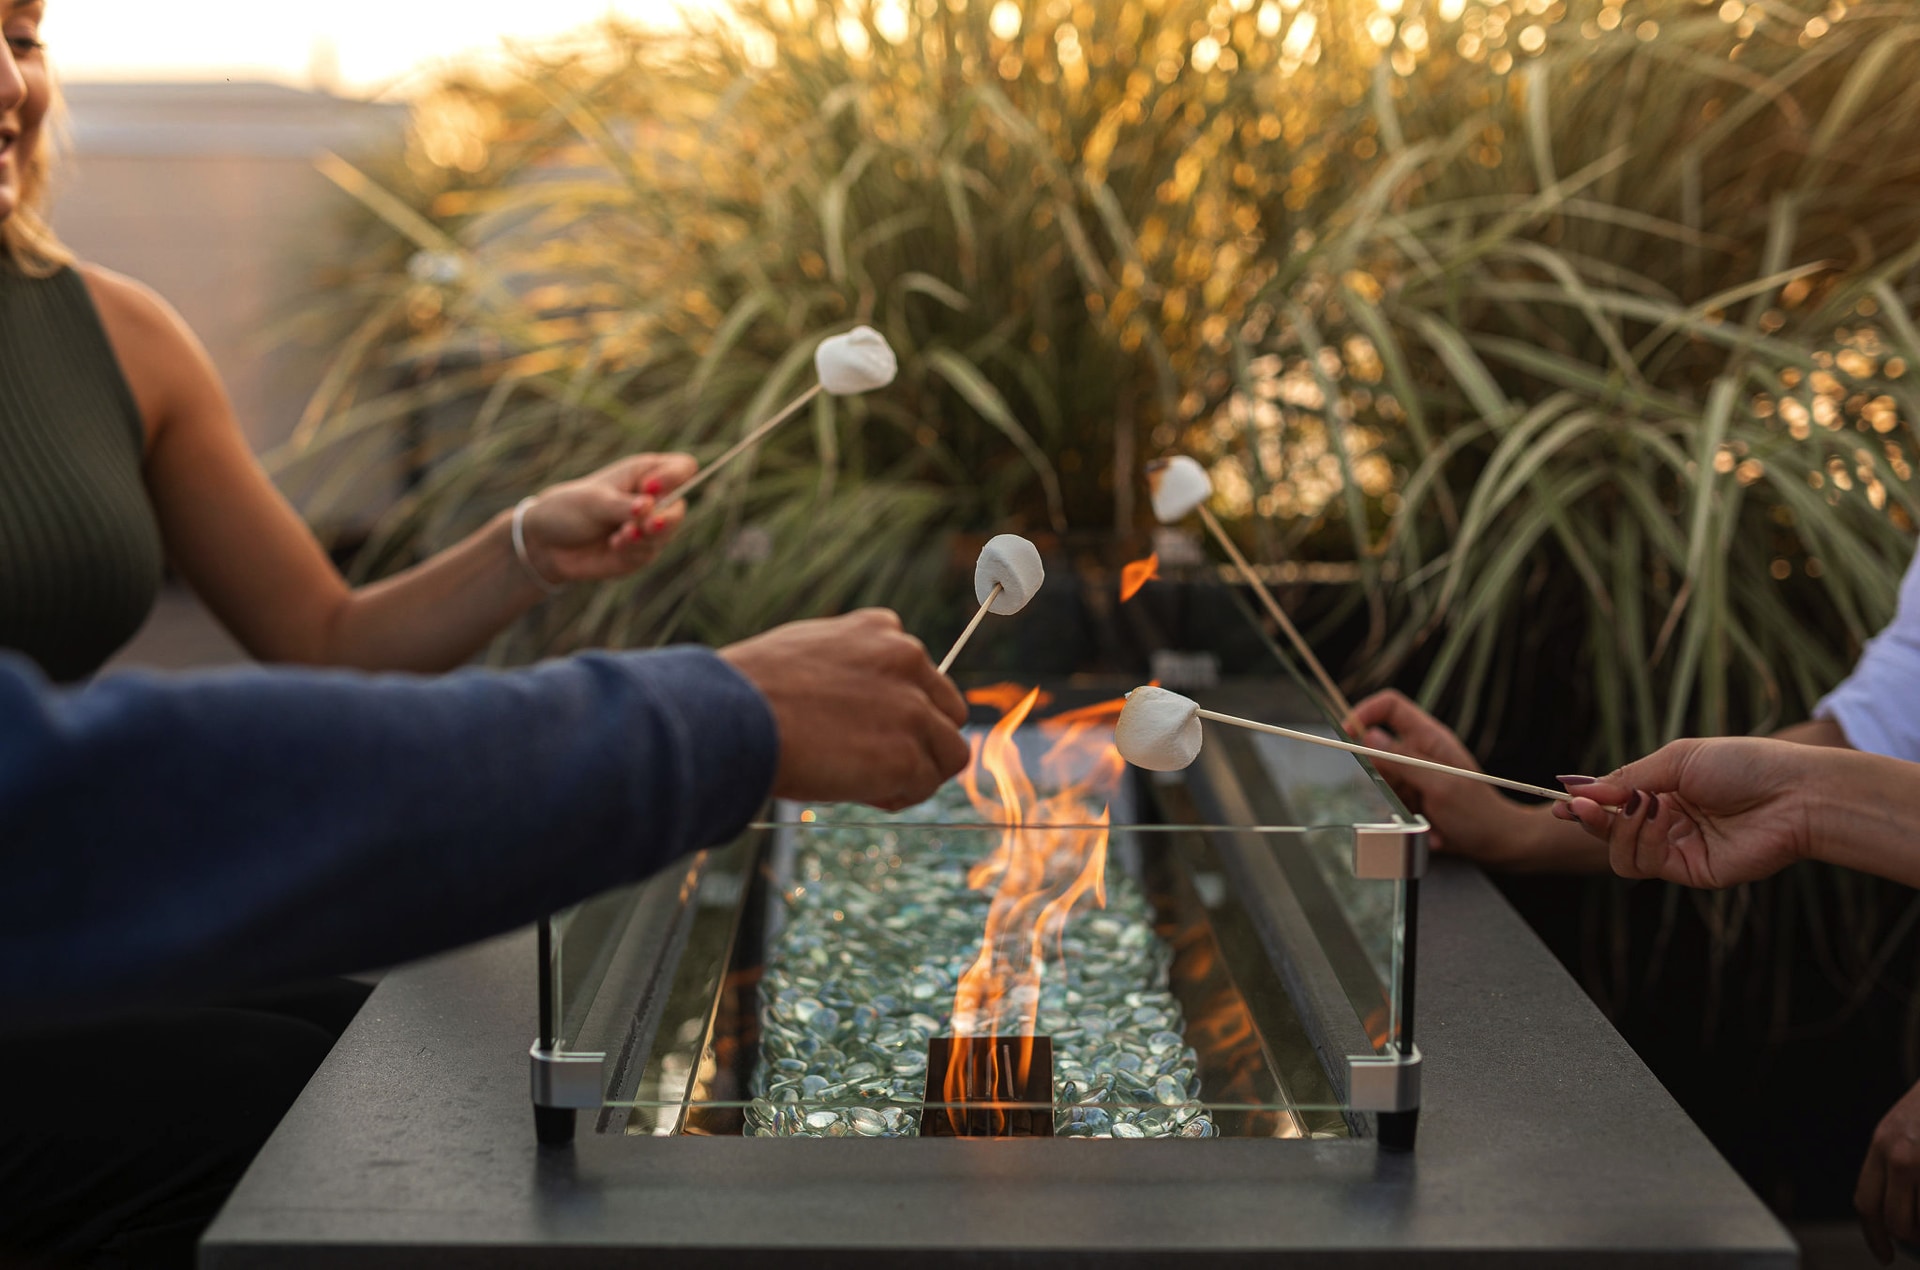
(1178, 485)
(1158, 730)
(1014, 563)
(859, 361)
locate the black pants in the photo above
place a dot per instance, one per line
(119, 1141)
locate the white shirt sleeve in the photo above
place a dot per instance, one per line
(1878, 705)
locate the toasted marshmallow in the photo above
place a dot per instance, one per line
(859, 361)
(1014, 563)
(1158, 730)
(1178, 485)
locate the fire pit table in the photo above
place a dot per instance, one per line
(1065, 1011)
(1051, 946)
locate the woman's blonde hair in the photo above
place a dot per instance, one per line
(25, 236)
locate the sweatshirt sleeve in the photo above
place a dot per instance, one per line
(1878, 705)
(170, 838)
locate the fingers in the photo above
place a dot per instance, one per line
(1899, 1210)
(648, 531)
(661, 525)
(627, 515)
(941, 691)
(1870, 1201)
(1406, 781)
(1632, 850)
(946, 747)
(651, 474)
(672, 471)
(1589, 815)
(1423, 735)
(1658, 773)
(1368, 713)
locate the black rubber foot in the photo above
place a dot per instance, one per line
(1397, 1129)
(553, 1125)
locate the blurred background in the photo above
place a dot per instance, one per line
(1555, 355)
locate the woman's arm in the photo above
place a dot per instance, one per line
(257, 566)
(1482, 824)
(1468, 818)
(1715, 813)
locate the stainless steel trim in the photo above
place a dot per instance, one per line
(1391, 853)
(1384, 1082)
(564, 1079)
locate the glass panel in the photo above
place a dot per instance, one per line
(1079, 949)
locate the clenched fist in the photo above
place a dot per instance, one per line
(863, 715)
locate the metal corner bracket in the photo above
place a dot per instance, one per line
(565, 1079)
(1392, 853)
(1384, 1082)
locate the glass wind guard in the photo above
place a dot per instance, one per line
(1053, 944)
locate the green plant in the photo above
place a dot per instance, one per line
(1639, 331)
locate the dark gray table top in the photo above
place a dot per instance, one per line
(1543, 1140)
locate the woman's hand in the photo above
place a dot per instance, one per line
(1468, 818)
(1705, 813)
(605, 525)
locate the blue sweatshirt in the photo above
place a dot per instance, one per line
(171, 838)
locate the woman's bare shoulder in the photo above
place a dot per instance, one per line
(130, 306)
(164, 363)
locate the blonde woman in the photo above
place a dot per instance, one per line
(118, 451)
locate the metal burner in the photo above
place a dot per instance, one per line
(986, 1097)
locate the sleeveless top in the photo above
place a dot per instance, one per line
(80, 550)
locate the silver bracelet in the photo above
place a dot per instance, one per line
(520, 547)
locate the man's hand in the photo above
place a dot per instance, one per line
(1704, 813)
(863, 715)
(1468, 818)
(1889, 1189)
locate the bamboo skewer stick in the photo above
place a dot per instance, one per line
(972, 626)
(739, 447)
(1279, 615)
(1386, 756)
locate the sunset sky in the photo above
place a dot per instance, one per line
(374, 42)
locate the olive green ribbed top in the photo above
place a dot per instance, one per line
(80, 551)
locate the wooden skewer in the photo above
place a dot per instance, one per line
(740, 447)
(1370, 752)
(1279, 615)
(972, 626)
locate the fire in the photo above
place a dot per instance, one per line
(1004, 697)
(1137, 574)
(1051, 857)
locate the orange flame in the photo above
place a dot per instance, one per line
(1051, 855)
(1137, 574)
(1004, 697)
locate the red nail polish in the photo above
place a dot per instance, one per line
(1653, 806)
(655, 525)
(631, 533)
(652, 485)
(1633, 804)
